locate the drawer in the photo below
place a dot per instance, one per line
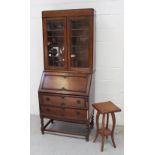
(52, 111)
(72, 114)
(51, 100)
(76, 114)
(63, 101)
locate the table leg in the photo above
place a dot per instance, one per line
(52, 121)
(107, 123)
(42, 125)
(102, 142)
(113, 128)
(88, 130)
(97, 125)
(92, 121)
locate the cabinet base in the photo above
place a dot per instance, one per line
(66, 128)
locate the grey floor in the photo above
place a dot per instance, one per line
(52, 144)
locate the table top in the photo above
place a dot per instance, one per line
(106, 107)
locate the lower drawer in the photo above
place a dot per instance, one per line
(73, 114)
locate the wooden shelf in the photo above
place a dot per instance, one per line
(55, 36)
(79, 29)
(80, 36)
(106, 131)
(55, 30)
(83, 46)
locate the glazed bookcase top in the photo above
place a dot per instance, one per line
(68, 40)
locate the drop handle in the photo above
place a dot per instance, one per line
(78, 102)
(62, 104)
(48, 109)
(78, 113)
(63, 88)
(47, 99)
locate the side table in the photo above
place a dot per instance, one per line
(105, 108)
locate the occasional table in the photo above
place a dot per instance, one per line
(105, 108)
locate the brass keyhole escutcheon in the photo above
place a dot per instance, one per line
(78, 113)
(63, 88)
(48, 109)
(47, 99)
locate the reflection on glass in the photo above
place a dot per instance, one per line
(79, 42)
(55, 37)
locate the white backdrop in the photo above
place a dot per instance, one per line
(109, 48)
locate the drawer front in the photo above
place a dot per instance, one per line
(52, 111)
(63, 101)
(76, 114)
(73, 114)
(51, 100)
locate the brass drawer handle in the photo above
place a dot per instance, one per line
(63, 88)
(63, 108)
(78, 102)
(65, 76)
(62, 104)
(47, 99)
(48, 109)
(77, 113)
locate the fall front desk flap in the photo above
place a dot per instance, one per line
(66, 83)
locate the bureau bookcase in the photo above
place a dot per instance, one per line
(66, 90)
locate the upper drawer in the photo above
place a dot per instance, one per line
(65, 83)
(63, 101)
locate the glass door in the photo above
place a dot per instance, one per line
(79, 42)
(55, 33)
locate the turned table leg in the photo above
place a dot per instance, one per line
(42, 125)
(51, 121)
(92, 121)
(102, 142)
(88, 131)
(107, 123)
(97, 125)
(113, 128)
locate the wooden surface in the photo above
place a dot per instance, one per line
(71, 12)
(63, 101)
(65, 83)
(106, 107)
(66, 113)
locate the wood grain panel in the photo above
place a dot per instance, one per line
(62, 101)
